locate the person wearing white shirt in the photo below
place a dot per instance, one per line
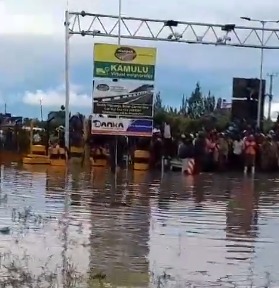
(237, 152)
(167, 140)
(167, 131)
(37, 138)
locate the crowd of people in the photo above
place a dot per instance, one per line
(245, 151)
(211, 151)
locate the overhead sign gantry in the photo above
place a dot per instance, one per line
(101, 25)
(88, 24)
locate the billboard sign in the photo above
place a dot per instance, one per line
(247, 89)
(245, 109)
(123, 98)
(121, 127)
(125, 62)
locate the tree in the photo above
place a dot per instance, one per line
(219, 103)
(209, 103)
(160, 113)
(158, 103)
(196, 103)
(183, 107)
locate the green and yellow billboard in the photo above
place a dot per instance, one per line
(124, 62)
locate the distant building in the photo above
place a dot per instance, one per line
(226, 105)
(8, 120)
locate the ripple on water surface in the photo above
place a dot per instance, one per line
(209, 230)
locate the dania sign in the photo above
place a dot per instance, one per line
(107, 124)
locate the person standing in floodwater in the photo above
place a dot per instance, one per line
(156, 149)
(237, 152)
(250, 147)
(186, 152)
(167, 140)
(200, 147)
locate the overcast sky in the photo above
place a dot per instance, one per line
(32, 50)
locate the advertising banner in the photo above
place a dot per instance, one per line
(125, 62)
(123, 98)
(244, 88)
(121, 127)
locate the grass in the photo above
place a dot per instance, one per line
(17, 274)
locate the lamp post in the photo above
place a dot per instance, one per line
(270, 94)
(263, 23)
(67, 79)
(119, 20)
(41, 108)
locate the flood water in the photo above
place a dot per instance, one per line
(207, 231)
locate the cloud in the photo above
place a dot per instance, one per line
(32, 19)
(274, 110)
(32, 48)
(33, 16)
(56, 97)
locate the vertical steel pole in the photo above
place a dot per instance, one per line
(119, 42)
(67, 80)
(270, 96)
(119, 20)
(41, 109)
(1, 177)
(261, 80)
(93, 87)
(67, 141)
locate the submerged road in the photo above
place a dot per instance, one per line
(205, 231)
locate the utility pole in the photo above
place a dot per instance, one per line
(261, 96)
(270, 94)
(41, 108)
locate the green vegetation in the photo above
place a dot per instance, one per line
(195, 112)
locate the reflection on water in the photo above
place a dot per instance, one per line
(205, 230)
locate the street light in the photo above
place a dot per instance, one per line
(258, 20)
(119, 20)
(270, 94)
(41, 108)
(263, 23)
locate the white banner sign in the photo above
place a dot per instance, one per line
(123, 98)
(124, 127)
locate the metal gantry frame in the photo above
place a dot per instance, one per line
(172, 31)
(116, 26)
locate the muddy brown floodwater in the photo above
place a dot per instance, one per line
(207, 231)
